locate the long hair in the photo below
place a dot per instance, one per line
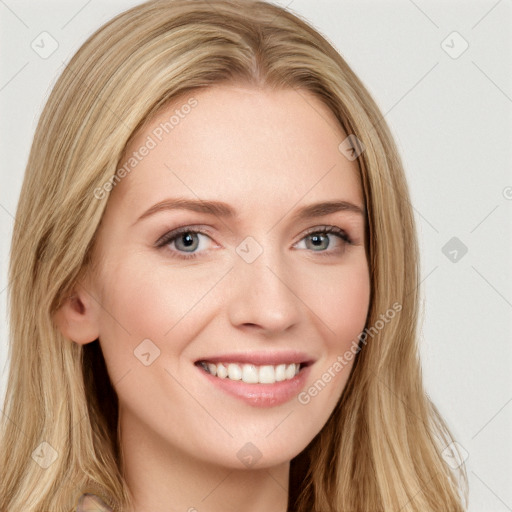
(382, 447)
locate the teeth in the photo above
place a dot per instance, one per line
(222, 371)
(252, 374)
(234, 372)
(267, 374)
(290, 371)
(280, 372)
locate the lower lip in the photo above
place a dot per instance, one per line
(261, 395)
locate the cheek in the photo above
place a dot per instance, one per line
(351, 309)
(142, 301)
(339, 296)
(137, 305)
(340, 301)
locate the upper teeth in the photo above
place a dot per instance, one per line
(251, 373)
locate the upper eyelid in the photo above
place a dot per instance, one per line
(182, 229)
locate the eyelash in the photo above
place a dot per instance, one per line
(174, 235)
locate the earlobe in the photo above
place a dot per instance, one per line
(77, 317)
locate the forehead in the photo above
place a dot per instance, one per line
(242, 145)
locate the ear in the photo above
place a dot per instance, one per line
(77, 317)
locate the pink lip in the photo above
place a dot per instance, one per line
(261, 358)
(259, 395)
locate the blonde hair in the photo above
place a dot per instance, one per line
(381, 449)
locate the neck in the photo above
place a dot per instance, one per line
(163, 479)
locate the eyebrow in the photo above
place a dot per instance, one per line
(224, 210)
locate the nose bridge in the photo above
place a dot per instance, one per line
(263, 294)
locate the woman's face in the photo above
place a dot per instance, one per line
(249, 286)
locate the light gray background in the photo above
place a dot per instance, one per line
(451, 118)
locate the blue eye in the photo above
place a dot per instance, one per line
(317, 237)
(189, 241)
(186, 241)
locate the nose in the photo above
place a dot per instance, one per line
(262, 295)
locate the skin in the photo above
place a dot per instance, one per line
(267, 154)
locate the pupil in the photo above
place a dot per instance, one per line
(188, 239)
(316, 240)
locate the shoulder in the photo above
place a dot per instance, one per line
(91, 503)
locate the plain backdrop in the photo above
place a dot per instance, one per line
(441, 74)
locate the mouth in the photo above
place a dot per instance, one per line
(258, 379)
(252, 373)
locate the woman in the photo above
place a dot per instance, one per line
(214, 281)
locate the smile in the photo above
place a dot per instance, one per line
(251, 373)
(258, 379)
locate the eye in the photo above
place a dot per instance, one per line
(185, 241)
(320, 238)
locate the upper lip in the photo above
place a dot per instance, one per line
(260, 358)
